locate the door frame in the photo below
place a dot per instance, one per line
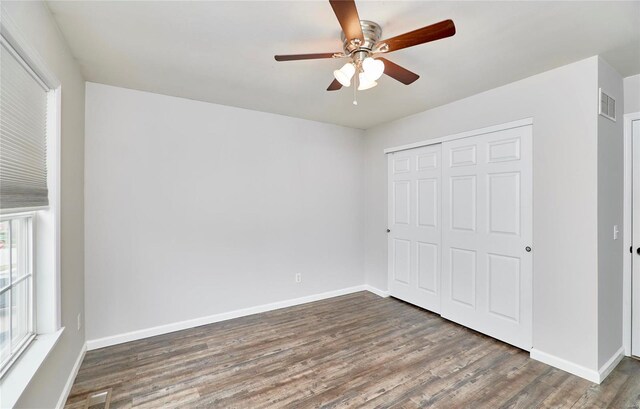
(467, 134)
(627, 223)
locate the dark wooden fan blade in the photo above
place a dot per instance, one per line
(422, 35)
(347, 15)
(294, 57)
(334, 86)
(397, 72)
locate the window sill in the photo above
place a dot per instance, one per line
(16, 380)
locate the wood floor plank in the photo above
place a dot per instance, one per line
(565, 394)
(354, 351)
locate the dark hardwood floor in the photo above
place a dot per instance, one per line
(357, 350)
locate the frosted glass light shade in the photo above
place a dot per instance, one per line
(344, 74)
(365, 83)
(373, 69)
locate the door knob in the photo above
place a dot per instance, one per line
(638, 251)
(389, 231)
(529, 249)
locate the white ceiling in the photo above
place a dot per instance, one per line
(222, 52)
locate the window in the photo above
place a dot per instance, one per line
(24, 196)
(16, 286)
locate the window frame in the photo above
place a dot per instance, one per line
(29, 277)
(46, 238)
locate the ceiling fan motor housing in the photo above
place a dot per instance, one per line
(371, 32)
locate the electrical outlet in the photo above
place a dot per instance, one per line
(615, 232)
(79, 322)
(298, 277)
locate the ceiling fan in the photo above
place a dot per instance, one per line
(362, 45)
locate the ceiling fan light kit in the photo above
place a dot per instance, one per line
(372, 69)
(362, 45)
(364, 82)
(368, 73)
(344, 74)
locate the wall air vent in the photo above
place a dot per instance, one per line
(607, 106)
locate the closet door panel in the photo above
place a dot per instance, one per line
(415, 226)
(487, 228)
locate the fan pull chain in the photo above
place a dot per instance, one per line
(356, 84)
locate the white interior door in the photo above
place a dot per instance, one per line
(635, 276)
(487, 234)
(414, 224)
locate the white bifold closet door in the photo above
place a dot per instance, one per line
(415, 227)
(487, 233)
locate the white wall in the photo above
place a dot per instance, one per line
(36, 25)
(610, 192)
(632, 94)
(563, 105)
(194, 209)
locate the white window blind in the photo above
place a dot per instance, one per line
(23, 126)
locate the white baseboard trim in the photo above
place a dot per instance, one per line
(568, 366)
(72, 377)
(579, 370)
(196, 322)
(376, 291)
(611, 364)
